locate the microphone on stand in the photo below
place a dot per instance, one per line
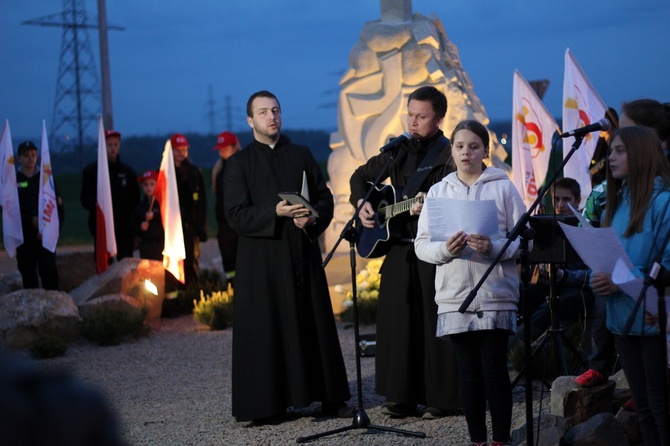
(400, 139)
(601, 126)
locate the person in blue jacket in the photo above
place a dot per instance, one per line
(638, 208)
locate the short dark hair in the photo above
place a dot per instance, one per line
(260, 94)
(649, 113)
(431, 94)
(570, 184)
(25, 146)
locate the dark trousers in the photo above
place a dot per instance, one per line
(603, 353)
(227, 239)
(643, 362)
(32, 258)
(151, 249)
(483, 376)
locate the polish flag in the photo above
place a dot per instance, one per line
(12, 231)
(105, 240)
(582, 106)
(532, 131)
(167, 196)
(49, 224)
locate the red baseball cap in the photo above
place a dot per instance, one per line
(109, 133)
(179, 140)
(148, 175)
(224, 140)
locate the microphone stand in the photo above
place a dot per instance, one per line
(349, 233)
(519, 228)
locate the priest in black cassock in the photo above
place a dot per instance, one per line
(285, 346)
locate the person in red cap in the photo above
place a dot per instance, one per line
(227, 144)
(192, 206)
(125, 194)
(148, 224)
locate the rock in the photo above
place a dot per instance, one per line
(602, 429)
(111, 301)
(628, 419)
(551, 429)
(577, 404)
(12, 281)
(26, 315)
(127, 277)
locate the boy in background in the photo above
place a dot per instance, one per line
(31, 257)
(148, 223)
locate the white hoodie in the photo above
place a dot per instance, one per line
(457, 275)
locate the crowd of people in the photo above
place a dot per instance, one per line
(433, 358)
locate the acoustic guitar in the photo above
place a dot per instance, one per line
(376, 241)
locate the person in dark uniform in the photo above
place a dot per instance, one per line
(192, 206)
(412, 366)
(227, 144)
(31, 256)
(125, 195)
(148, 222)
(286, 351)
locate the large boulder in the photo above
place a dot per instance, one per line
(110, 302)
(128, 277)
(547, 431)
(602, 429)
(577, 404)
(26, 315)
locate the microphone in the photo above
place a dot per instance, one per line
(601, 126)
(400, 139)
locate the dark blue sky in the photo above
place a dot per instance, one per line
(171, 52)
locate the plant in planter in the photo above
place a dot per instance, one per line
(367, 285)
(214, 310)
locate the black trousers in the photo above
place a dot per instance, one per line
(33, 259)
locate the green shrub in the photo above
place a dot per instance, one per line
(47, 346)
(112, 325)
(215, 310)
(210, 282)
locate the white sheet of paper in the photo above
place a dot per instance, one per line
(602, 251)
(584, 222)
(447, 216)
(305, 189)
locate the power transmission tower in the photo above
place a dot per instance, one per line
(77, 102)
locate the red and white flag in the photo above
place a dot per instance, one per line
(12, 232)
(532, 131)
(48, 219)
(105, 240)
(167, 196)
(582, 106)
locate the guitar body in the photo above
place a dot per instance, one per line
(373, 242)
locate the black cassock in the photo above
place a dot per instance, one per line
(285, 346)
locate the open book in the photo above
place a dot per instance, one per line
(300, 198)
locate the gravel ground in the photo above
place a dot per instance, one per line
(173, 388)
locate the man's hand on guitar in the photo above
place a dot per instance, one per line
(366, 215)
(284, 209)
(417, 205)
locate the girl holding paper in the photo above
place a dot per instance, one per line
(638, 199)
(480, 334)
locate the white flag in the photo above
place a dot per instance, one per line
(105, 240)
(174, 252)
(12, 231)
(532, 131)
(49, 223)
(581, 106)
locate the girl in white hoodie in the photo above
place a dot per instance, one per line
(480, 334)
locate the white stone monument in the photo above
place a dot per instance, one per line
(393, 57)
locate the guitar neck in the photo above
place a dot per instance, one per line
(398, 208)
